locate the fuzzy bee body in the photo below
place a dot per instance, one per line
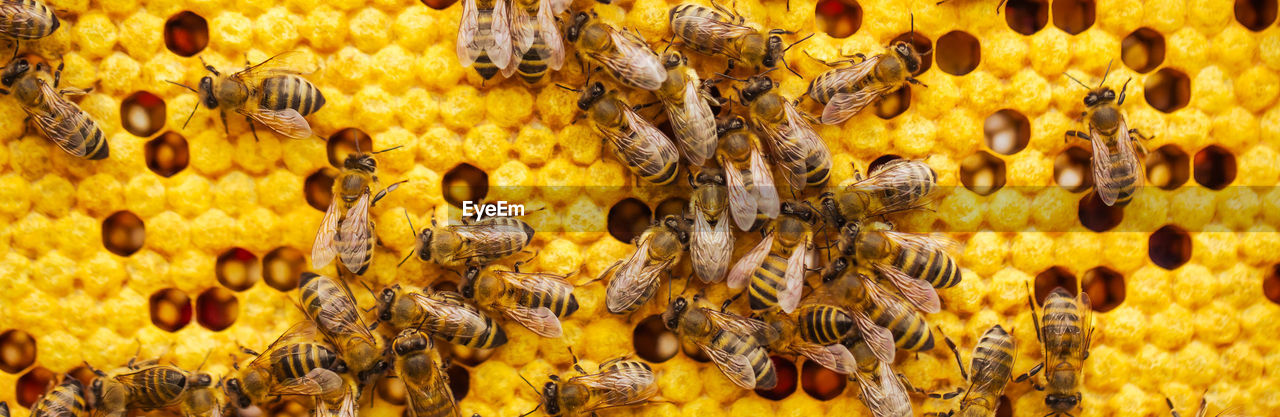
(847, 91)
(442, 314)
(735, 344)
(27, 20)
(65, 400)
(55, 117)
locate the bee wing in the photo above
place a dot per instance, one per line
(789, 297)
(559, 6)
(634, 61)
(524, 30)
(618, 387)
(766, 190)
(541, 321)
(736, 367)
(718, 31)
(741, 272)
(435, 386)
(885, 396)
(1107, 163)
(353, 236)
(347, 408)
(536, 282)
(648, 140)
(13, 18)
(486, 239)
(323, 249)
(303, 331)
(547, 11)
(896, 184)
(746, 327)
(467, 48)
(792, 143)
(710, 247)
(1085, 311)
(694, 124)
(454, 319)
(917, 291)
(315, 382)
(879, 339)
(924, 242)
(60, 121)
(499, 49)
(842, 106)
(835, 357)
(291, 62)
(343, 317)
(633, 279)
(288, 122)
(742, 205)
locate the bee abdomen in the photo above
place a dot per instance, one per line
(40, 22)
(94, 145)
(993, 358)
(532, 67)
(819, 166)
(824, 324)
(909, 329)
(437, 404)
(935, 267)
(628, 365)
(492, 337)
(290, 92)
(766, 282)
(65, 400)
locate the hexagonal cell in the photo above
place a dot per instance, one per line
(17, 351)
(465, 182)
(1169, 247)
(1005, 409)
(238, 269)
(788, 377)
(922, 44)
(1072, 169)
(653, 342)
(839, 18)
(674, 206)
(821, 383)
(186, 33)
(347, 141)
(142, 114)
(282, 268)
(1168, 167)
(1271, 284)
(318, 188)
(1026, 16)
(1007, 131)
(167, 154)
(958, 53)
(628, 218)
(982, 173)
(1142, 50)
(392, 390)
(1098, 216)
(439, 4)
(1256, 15)
(217, 308)
(893, 104)
(32, 385)
(1167, 90)
(1105, 287)
(1214, 167)
(1054, 277)
(170, 309)
(459, 381)
(123, 233)
(1073, 16)
(287, 408)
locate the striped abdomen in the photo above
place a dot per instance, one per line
(657, 166)
(77, 133)
(296, 360)
(823, 324)
(428, 396)
(154, 387)
(532, 67)
(484, 36)
(934, 266)
(491, 337)
(761, 364)
(290, 92)
(65, 400)
(506, 236)
(992, 366)
(767, 281)
(1124, 174)
(818, 168)
(910, 331)
(28, 19)
(828, 84)
(1062, 329)
(328, 305)
(623, 365)
(560, 300)
(694, 37)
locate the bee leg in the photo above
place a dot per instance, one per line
(1031, 303)
(1034, 370)
(226, 130)
(26, 126)
(1000, 6)
(917, 82)
(1078, 134)
(252, 128)
(954, 351)
(727, 303)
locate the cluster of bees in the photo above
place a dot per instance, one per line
(867, 299)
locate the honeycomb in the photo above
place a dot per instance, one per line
(187, 242)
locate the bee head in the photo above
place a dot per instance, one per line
(424, 244)
(909, 55)
(575, 30)
(235, 390)
(207, 97)
(1099, 96)
(591, 95)
(707, 176)
(757, 86)
(832, 272)
(410, 340)
(736, 123)
(468, 289)
(774, 50)
(1062, 402)
(671, 317)
(551, 398)
(201, 380)
(15, 70)
(385, 300)
(673, 59)
(361, 162)
(800, 210)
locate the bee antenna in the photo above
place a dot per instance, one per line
(568, 88)
(412, 231)
(182, 85)
(729, 77)
(384, 150)
(797, 42)
(1106, 73)
(534, 410)
(1086, 86)
(193, 108)
(526, 382)
(793, 71)
(406, 258)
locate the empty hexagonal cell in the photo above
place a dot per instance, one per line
(1054, 277)
(893, 104)
(282, 268)
(1142, 50)
(1168, 167)
(1271, 284)
(922, 44)
(653, 342)
(1256, 15)
(1005, 409)
(1007, 131)
(186, 33)
(1072, 169)
(347, 141)
(318, 188)
(628, 218)
(1096, 215)
(1167, 90)
(142, 114)
(1073, 16)
(674, 206)
(32, 385)
(217, 308)
(1169, 247)
(821, 383)
(170, 309)
(238, 269)
(392, 390)
(982, 173)
(17, 351)
(958, 53)
(465, 182)
(167, 154)
(123, 233)
(1105, 287)
(1214, 167)
(788, 378)
(459, 381)
(1026, 16)
(839, 18)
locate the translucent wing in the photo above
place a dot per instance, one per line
(355, 236)
(435, 387)
(694, 124)
(792, 143)
(789, 297)
(845, 78)
(648, 143)
(710, 247)
(879, 339)
(467, 48)
(550, 34)
(741, 272)
(736, 367)
(766, 190)
(835, 357)
(323, 249)
(634, 279)
(742, 204)
(303, 331)
(617, 387)
(747, 327)
(1112, 171)
(285, 63)
(924, 242)
(288, 122)
(917, 291)
(559, 6)
(898, 184)
(524, 29)
(315, 382)
(845, 105)
(536, 282)
(540, 320)
(717, 34)
(1085, 311)
(341, 316)
(500, 49)
(634, 62)
(60, 121)
(455, 319)
(14, 18)
(487, 239)
(884, 395)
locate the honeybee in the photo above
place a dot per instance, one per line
(291, 365)
(346, 407)
(796, 148)
(914, 263)
(331, 307)
(536, 40)
(202, 402)
(709, 247)
(686, 105)
(58, 119)
(747, 176)
(897, 185)
(721, 31)
(443, 314)
(427, 392)
(146, 388)
(823, 323)
(884, 320)
(776, 266)
(846, 91)
(26, 20)
(484, 36)
(989, 371)
(1117, 171)
(644, 149)
(472, 244)
(635, 279)
(536, 300)
(624, 55)
(273, 93)
(882, 390)
(735, 344)
(346, 230)
(65, 400)
(621, 382)
(1200, 412)
(792, 329)
(1065, 329)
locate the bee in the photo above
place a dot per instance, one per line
(1117, 170)
(443, 314)
(687, 109)
(484, 36)
(346, 230)
(635, 279)
(822, 323)
(624, 55)
(202, 402)
(26, 20)
(915, 263)
(536, 300)
(748, 177)
(58, 119)
(897, 185)
(473, 244)
(833, 356)
(644, 149)
(884, 320)
(989, 371)
(426, 384)
(1065, 330)
(291, 365)
(331, 307)
(273, 93)
(796, 148)
(846, 91)
(147, 388)
(721, 31)
(710, 247)
(536, 40)
(882, 390)
(620, 382)
(346, 407)
(65, 400)
(1200, 412)
(735, 344)
(4, 409)
(775, 267)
